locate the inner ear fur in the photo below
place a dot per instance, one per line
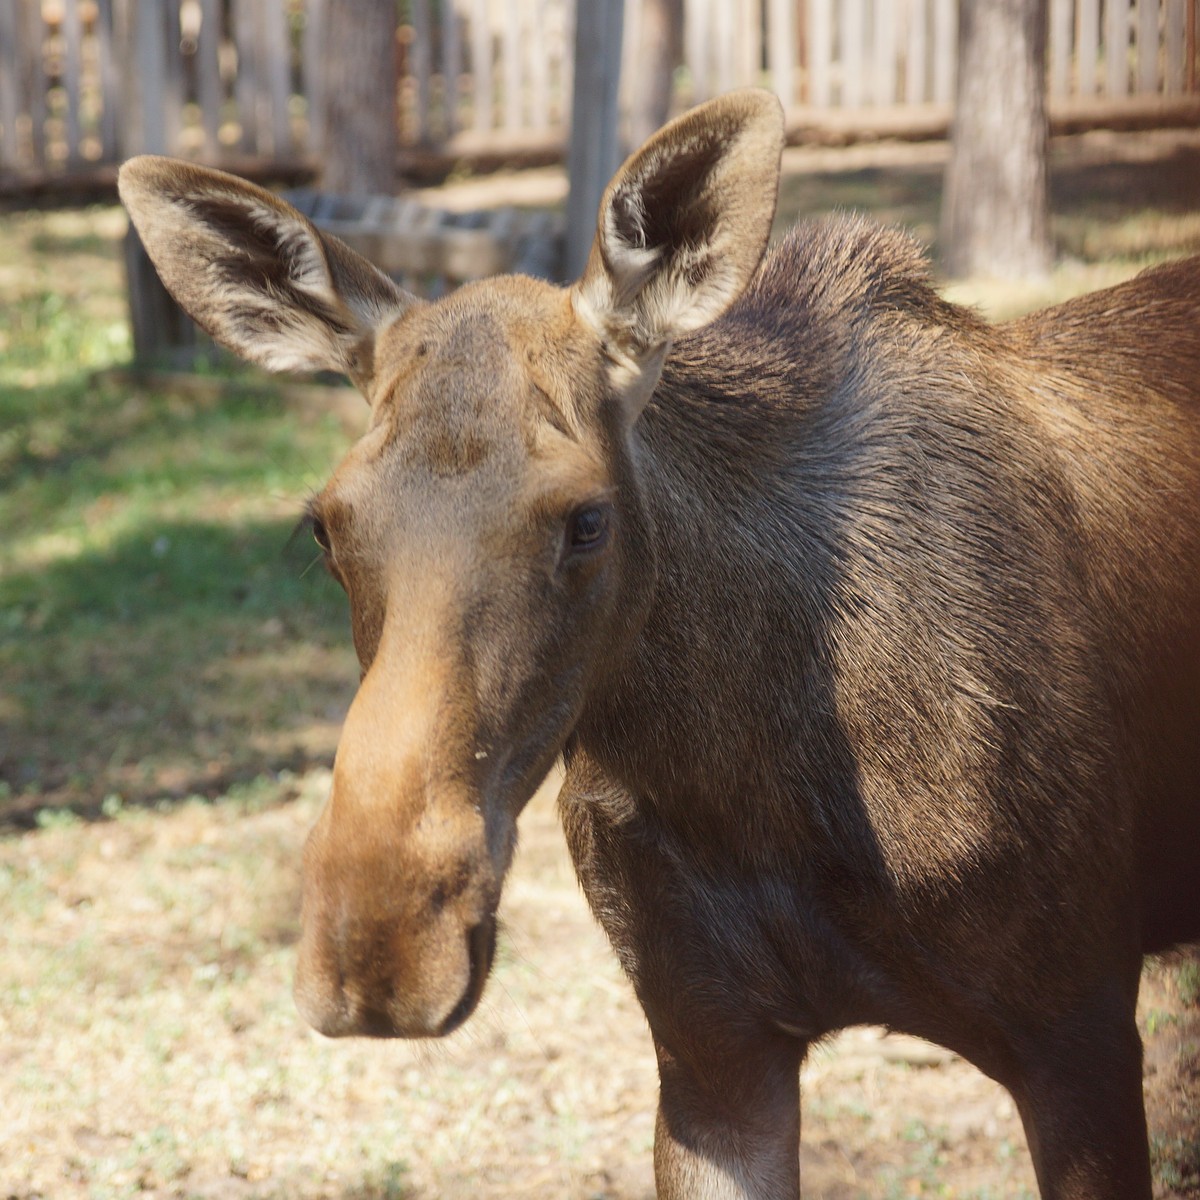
(255, 273)
(683, 225)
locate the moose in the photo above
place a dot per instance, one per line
(868, 632)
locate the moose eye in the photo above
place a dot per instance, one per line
(588, 528)
(320, 534)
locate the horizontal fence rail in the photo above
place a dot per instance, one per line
(85, 83)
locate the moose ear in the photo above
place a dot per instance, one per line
(256, 274)
(683, 225)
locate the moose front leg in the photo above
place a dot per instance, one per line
(728, 1128)
(1080, 1096)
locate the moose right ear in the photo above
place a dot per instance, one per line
(256, 274)
(681, 231)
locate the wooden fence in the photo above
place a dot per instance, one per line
(87, 82)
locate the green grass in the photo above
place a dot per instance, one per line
(160, 630)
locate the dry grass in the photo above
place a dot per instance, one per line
(151, 1049)
(151, 1046)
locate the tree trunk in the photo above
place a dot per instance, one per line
(659, 51)
(995, 211)
(359, 90)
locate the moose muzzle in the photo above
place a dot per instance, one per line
(400, 891)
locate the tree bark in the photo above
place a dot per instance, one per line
(360, 90)
(995, 210)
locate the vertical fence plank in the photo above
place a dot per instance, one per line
(72, 76)
(172, 95)
(1116, 47)
(851, 57)
(1147, 46)
(481, 67)
(510, 41)
(820, 52)
(150, 72)
(109, 128)
(567, 71)
(246, 86)
(36, 80)
(724, 32)
(1087, 46)
(539, 65)
(277, 81)
(698, 40)
(631, 69)
(125, 36)
(209, 92)
(314, 80)
(945, 50)
(593, 154)
(883, 52)
(750, 48)
(1173, 21)
(916, 59)
(1060, 46)
(421, 50)
(9, 149)
(781, 49)
(1190, 47)
(452, 89)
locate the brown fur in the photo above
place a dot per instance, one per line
(879, 699)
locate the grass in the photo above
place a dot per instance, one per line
(1176, 1161)
(164, 645)
(1187, 980)
(153, 606)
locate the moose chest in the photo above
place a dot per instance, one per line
(727, 917)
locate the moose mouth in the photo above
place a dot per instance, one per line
(481, 950)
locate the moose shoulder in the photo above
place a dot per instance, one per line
(869, 633)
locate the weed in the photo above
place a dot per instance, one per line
(1187, 980)
(55, 818)
(1176, 1161)
(1155, 1020)
(384, 1183)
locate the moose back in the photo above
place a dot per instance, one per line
(869, 633)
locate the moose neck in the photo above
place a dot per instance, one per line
(736, 575)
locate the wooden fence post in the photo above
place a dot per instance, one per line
(8, 86)
(593, 154)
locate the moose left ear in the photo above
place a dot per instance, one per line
(682, 228)
(256, 274)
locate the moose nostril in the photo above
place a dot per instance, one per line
(449, 889)
(481, 950)
(374, 1022)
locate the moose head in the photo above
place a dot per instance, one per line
(489, 529)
